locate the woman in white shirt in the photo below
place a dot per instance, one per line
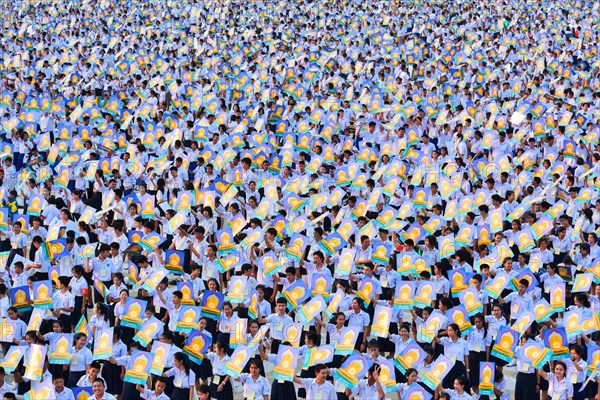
(400, 341)
(220, 386)
(255, 386)
(457, 350)
(250, 208)
(478, 342)
(81, 358)
(412, 376)
(99, 320)
(79, 287)
(576, 371)
(595, 299)
(560, 388)
(184, 377)
(582, 304)
(226, 324)
(546, 255)
(111, 372)
(347, 297)
(430, 251)
(358, 318)
(64, 303)
(459, 392)
(495, 321)
(588, 225)
(66, 221)
(334, 332)
(442, 284)
(550, 279)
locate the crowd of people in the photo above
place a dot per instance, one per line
(354, 199)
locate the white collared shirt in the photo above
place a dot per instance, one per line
(278, 324)
(560, 390)
(181, 380)
(456, 351)
(364, 391)
(255, 389)
(325, 391)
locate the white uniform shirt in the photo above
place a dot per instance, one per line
(360, 320)
(218, 364)
(278, 324)
(79, 359)
(181, 380)
(559, 390)
(364, 391)
(326, 391)
(255, 389)
(455, 351)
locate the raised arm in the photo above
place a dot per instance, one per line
(380, 390)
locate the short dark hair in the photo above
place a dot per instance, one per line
(99, 380)
(96, 365)
(320, 367)
(524, 282)
(205, 389)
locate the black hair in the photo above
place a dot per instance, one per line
(319, 367)
(410, 371)
(99, 380)
(95, 364)
(205, 389)
(455, 328)
(182, 357)
(162, 379)
(462, 380)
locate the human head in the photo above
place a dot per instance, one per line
(98, 387)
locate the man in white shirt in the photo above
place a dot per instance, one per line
(50, 212)
(47, 123)
(500, 147)
(369, 388)
(162, 301)
(277, 322)
(102, 268)
(99, 389)
(119, 204)
(521, 302)
(175, 182)
(88, 379)
(318, 387)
